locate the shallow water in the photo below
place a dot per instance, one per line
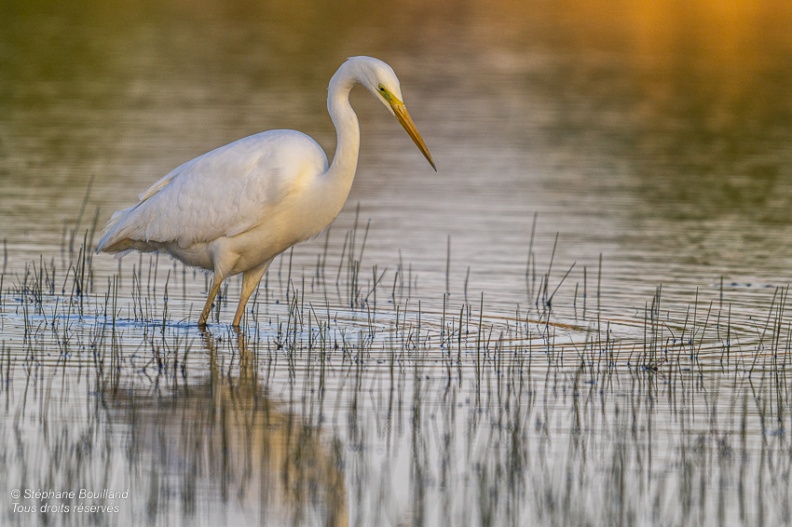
(580, 319)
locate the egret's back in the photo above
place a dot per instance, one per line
(222, 193)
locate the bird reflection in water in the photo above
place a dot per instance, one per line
(223, 443)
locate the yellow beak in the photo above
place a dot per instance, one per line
(409, 126)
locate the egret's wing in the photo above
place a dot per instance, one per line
(222, 193)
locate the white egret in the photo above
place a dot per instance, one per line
(234, 209)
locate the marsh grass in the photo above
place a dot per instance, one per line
(351, 398)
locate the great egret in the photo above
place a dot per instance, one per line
(234, 209)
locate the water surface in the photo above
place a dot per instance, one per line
(580, 319)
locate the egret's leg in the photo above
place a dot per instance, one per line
(250, 279)
(216, 283)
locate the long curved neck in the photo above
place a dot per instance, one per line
(341, 172)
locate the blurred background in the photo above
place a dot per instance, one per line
(654, 133)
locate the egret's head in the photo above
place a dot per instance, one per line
(381, 81)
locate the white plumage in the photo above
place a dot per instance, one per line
(232, 210)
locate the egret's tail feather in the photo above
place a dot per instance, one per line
(112, 240)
